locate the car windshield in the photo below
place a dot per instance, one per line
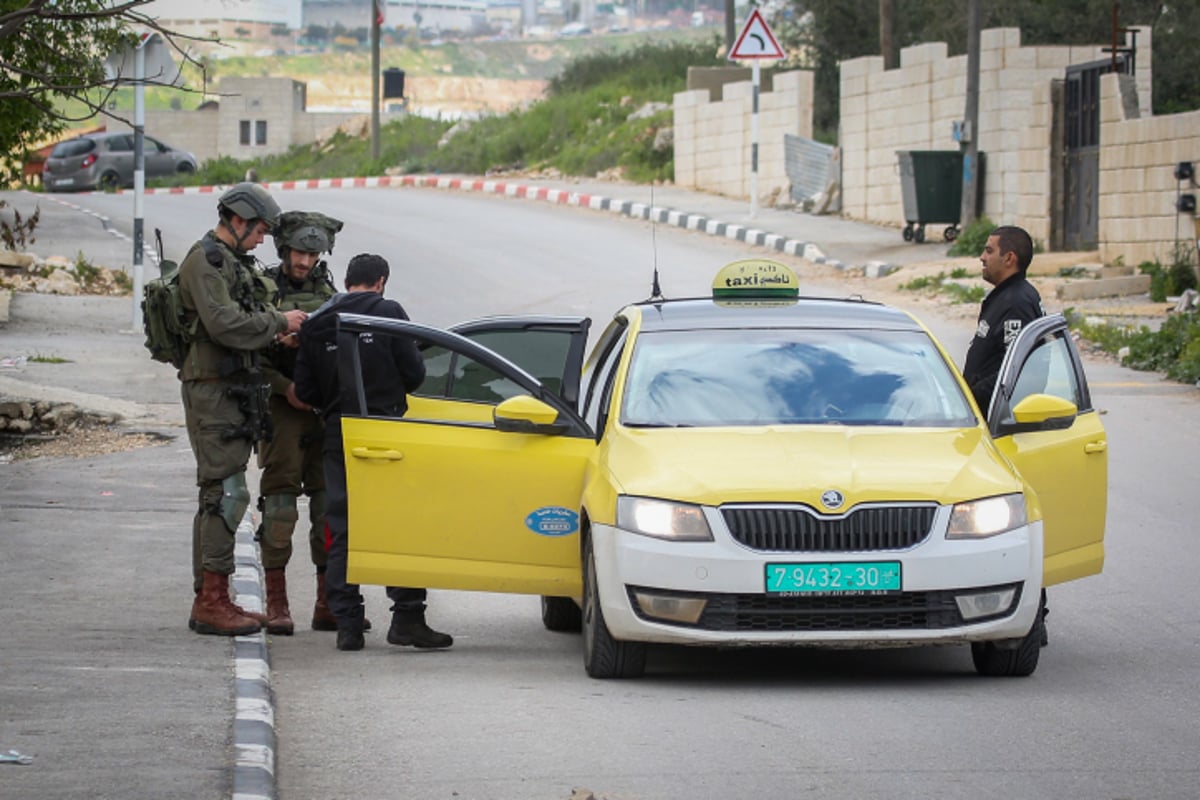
(791, 377)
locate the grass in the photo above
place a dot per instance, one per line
(40, 359)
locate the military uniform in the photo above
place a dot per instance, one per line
(223, 399)
(291, 461)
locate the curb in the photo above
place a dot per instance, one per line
(254, 714)
(628, 208)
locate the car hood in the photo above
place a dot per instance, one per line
(796, 464)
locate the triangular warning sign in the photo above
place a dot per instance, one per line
(756, 40)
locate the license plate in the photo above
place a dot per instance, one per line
(834, 577)
(64, 181)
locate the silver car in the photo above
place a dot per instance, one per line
(105, 161)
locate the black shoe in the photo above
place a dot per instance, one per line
(350, 639)
(417, 634)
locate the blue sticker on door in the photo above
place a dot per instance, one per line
(553, 521)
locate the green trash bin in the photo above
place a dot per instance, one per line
(931, 189)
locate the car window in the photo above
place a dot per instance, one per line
(601, 353)
(790, 377)
(599, 379)
(73, 147)
(120, 144)
(1049, 369)
(541, 353)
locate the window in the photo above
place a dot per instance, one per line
(541, 353)
(1049, 370)
(259, 129)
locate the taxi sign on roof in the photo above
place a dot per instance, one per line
(755, 277)
(756, 40)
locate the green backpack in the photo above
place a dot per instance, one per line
(168, 333)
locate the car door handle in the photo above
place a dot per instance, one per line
(377, 454)
(1096, 447)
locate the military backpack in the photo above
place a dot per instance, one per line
(168, 334)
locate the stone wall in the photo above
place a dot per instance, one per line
(1138, 155)
(914, 107)
(712, 139)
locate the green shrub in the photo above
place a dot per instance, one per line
(972, 238)
(924, 282)
(1174, 349)
(964, 294)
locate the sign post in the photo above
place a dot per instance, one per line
(151, 59)
(755, 43)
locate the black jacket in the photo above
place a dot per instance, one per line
(392, 366)
(1002, 315)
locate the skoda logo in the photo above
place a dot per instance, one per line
(832, 498)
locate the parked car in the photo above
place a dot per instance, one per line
(754, 468)
(105, 161)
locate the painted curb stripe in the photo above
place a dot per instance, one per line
(254, 738)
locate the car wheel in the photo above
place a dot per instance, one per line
(108, 181)
(1016, 662)
(604, 656)
(561, 614)
(186, 168)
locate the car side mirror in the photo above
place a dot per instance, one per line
(525, 414)
(1042, 412)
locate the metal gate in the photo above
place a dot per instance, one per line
(1081, 154)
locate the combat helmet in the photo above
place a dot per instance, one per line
(250, 202)
(305, 232)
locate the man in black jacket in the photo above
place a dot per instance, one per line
(1012, 304)
(391, 368)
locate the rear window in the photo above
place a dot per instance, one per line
(73, 147)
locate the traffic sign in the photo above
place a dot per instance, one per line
(756, 40)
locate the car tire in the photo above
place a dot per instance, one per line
(561, 614)
(1016, 662)
(604, 656)
(108, 181)
(186, 168)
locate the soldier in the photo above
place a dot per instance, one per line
(291, 461)
(224, 392)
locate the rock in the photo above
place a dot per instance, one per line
(19, 260)
(19, 425)
(16, 409)
(59, 262)
(649, 110)
(59, 282)
(61, 417)
(1123, 353)
(664, 140)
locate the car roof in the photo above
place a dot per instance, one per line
(804, 312)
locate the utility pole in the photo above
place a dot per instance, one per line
(887, 25)
(730, 20)
(969, 132)
(376, 19)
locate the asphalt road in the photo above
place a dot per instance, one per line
(119, 700)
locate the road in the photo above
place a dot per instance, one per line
(508, 712)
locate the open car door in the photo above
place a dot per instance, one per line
(478, 485)
(1042, 418)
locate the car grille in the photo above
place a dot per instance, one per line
(799, 529)
(906, 611)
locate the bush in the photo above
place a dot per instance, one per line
(972, 238)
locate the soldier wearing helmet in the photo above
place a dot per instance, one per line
(224, 390)
(291, 461)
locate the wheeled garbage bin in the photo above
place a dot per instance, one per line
(931, 188)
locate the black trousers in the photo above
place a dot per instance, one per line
(345, 600)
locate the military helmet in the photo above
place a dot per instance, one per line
(250, 202)
(306, 232)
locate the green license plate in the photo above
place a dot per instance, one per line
(834, 577)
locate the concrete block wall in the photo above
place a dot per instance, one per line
(1137, 217)
(712, 139)
(194, 131)
(914, 107)
(276, 101)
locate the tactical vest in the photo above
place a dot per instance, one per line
(309, 295)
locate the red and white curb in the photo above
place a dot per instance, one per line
(628, 208)
(254, 710)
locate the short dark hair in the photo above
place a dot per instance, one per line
(1017, 241)
(365, 269)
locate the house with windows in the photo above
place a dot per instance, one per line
(251, 117)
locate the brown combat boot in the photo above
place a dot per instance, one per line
(279, 617)
(215, 614)
(323, 619)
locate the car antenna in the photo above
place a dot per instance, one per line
(655, 290)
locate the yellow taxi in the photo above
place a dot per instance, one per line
(750, 468)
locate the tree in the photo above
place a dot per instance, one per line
(52, 50)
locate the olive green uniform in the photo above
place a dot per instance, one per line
(224, 297)
(291, 461)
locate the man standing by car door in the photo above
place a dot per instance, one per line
(222, 387)
(291, 460)
(391, 368)
(1012, 303)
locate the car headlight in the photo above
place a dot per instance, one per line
(988, 517)
(662, 519)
